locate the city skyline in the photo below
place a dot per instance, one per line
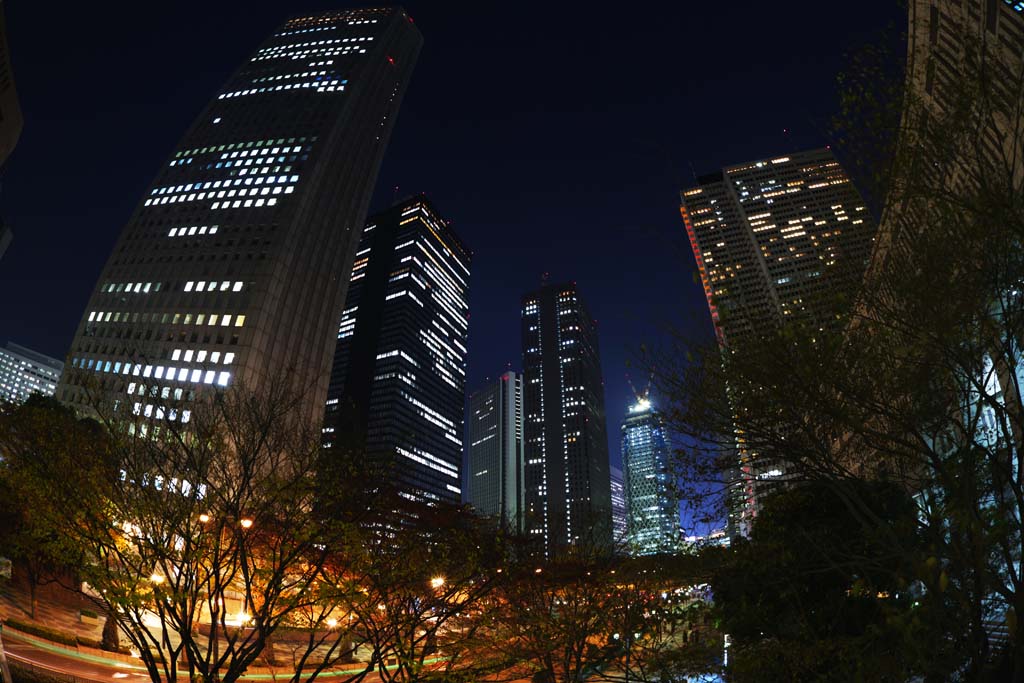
(615, 201)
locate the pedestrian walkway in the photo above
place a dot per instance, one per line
(60, 616)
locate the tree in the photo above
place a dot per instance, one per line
(813, 596)
(919, 384)
(426, 578)
(588, 615)
(202, 542)
(47, 437)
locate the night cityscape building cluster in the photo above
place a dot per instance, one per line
(251, 244)
(262, 256)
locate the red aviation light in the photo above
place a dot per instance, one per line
(391, 59)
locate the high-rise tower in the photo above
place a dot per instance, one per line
(234, 267)
(652, 511)
(775, 239)
(494, 486)
(399, 378)
(568, 496)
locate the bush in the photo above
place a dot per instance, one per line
(56, 636)
(89, 642)
(28, 674)
(89, 614)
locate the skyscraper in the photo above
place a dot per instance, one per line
(234, 267)
(494, 486)
(620, 526)
(399, 376)
(774, 240)
(24, 372)
(652, 511)
(568, 496)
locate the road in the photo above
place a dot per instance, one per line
(29, 650)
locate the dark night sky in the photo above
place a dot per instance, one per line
(553, 135)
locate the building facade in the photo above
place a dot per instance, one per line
(494, 485)
(775, 240)
(233, 269)
(399, 376)
(652, 509)
(620, 527)
(568, 489)
(24, 372)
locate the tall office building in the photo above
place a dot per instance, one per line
(399, 376)
(568, 492)
(234, 267)
(494, 486)
(620, 526)
(774, 240)
(24, 372)
(653, 512)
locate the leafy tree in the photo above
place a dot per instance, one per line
(426, 578)
(918, 385)
(814, 596)
(201, 541)
(42, 436)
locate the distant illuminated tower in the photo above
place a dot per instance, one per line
(619, 523)
(234, 267)
(24, 372)
(653, 512)
(568, 492)
(494, 486)
(399, 378)
(774, 240)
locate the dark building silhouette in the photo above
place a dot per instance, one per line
(11, 121)
(568, 490)
(398, 381)
(234, 267)
(494, 459)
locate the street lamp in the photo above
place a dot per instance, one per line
(246, 523)
(437, 582)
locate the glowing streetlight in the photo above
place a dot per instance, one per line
(246, 523)
(204, 518)
(538, 570)
(332, 622)
(437, 582)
